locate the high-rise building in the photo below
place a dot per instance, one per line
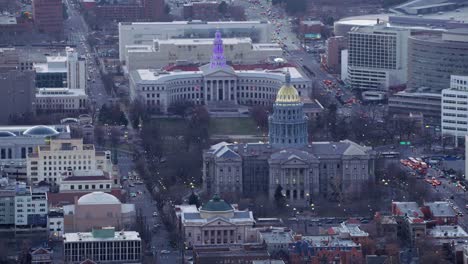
(377, 57)
(48, 15)
(434, 57)
(455, 109)
(76, 70)
(17, 95)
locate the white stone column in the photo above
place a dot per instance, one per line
(205, 92)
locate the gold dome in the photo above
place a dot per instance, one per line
(287, 93)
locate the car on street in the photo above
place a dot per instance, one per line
(155, 213)
(165, 251)
(133, 194)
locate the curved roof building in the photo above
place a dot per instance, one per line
(41, 131)
(432, 58)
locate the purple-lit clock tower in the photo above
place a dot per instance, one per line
(217, 59)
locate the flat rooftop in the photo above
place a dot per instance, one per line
(194, 22)
(447, 231)
(8, 20)
(88, 237)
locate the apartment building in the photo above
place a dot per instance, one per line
(52, 162)
(22, 206)
(454, 110)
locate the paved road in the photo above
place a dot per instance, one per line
(77, 30)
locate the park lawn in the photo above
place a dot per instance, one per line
(233, 126)
(218, 126)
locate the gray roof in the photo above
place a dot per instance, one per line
(441, 209)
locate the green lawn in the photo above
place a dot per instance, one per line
(218, 126)
(233, 126)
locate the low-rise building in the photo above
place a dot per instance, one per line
(235, 254)
(51, 162)
(428, 104)
(201, 10)
(277, 239)
(89, 180)
(440, 213)
(63, 100)
(313, 249)
(98, 209)
(103, 245)
(40, 256)
(216, 222)
(55, 223)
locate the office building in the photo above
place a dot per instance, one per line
(203, 10)
(277, 240)
(52, 162)
(427, 104)
(153, 9)
(216, 222)
(304, 170)
(16, 142)
(334, 46)
(48, 15)
(197, 51)
(142, 33)
(103, 245)
(61, 71)
(455, 109)
(377, 57)
(21, 206)
(129, 10)
(214, 84)
(17, 95)
(98, 209)
(61, 100)
(434, 57)
(76, 69)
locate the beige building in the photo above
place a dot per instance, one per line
(216, 222)
(170, 51)
(63, 100)
(52, 161)
(98, 209)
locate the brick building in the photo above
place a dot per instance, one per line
(48, 15)
(206, 11)
(334, 46)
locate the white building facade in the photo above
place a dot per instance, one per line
(454, 112)
(377, 57)
(30, 206)
(76, 70)
(217, 222)
(64, 100)
(53, 162)
(143, 33)
(171, 51)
